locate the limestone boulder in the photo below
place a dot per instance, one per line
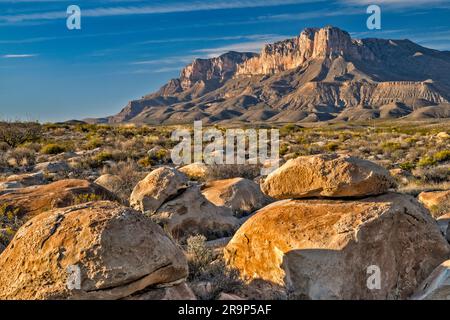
(97, 250)
(331, 175)
(156, 188)
(31, 201)
(438, 202)
(241, 195)
(110, 182)
(28, 179)
(191, 213)
(324, 249)
(52, 167)
(196, 171)
(7, 187)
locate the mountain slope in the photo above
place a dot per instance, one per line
(320, 75)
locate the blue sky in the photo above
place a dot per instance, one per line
(128, 48)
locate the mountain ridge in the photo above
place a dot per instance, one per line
(322, 74)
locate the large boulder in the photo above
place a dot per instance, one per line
(52, 167)
(110, 182)
(196, 171)
(438, 202)
(436, 286)
(323, 249)
(98, 250)
(241, 195)
(156, 188)
(33, 200)
(191, 213)
(330, 175)
(28, 179)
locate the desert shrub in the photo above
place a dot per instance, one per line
(407, 166)
(442, 156)
(103, 156)
(284, 149)
(20, 157)
(391, 146)
(161, 155)
(93, 143)
(331, 146)
(17, 133)
(9, 223)
(145, 162)
(130, 175)
(426, 161)
(227, 171)
(35, 146)
(88, 197)
(3, 147)
(205, 267)
(200, 255)
(52, 148)
(289, 129)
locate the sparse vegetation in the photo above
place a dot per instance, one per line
(52, 148)
(208, 273)
(16, 133)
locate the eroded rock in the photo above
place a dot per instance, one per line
(114, 251)
(321, 249)
(332, 175)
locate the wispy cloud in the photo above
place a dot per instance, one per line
(199, 39)
(167, 60)
(18, 56)
(173, 7)
(397, 3)
(247, 46)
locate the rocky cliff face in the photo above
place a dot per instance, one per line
(312, 43)
(202, 71)
(322, 74)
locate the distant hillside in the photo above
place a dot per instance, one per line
(322, 74)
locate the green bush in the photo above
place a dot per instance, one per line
(103, 156)
(332, 146)
(52, 148)
(407, 166)
(442, 156)
(426, 161)
(94, 143)
(391, 146)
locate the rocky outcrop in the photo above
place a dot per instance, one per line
(324, 249)
(166, 196)
(217, 69)
(29, 202)
(312, 43)
(323, 175)
(96, 250)
(157, 187)
(241, 195)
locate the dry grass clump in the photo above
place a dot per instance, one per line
(208, 274)
(129, 173)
